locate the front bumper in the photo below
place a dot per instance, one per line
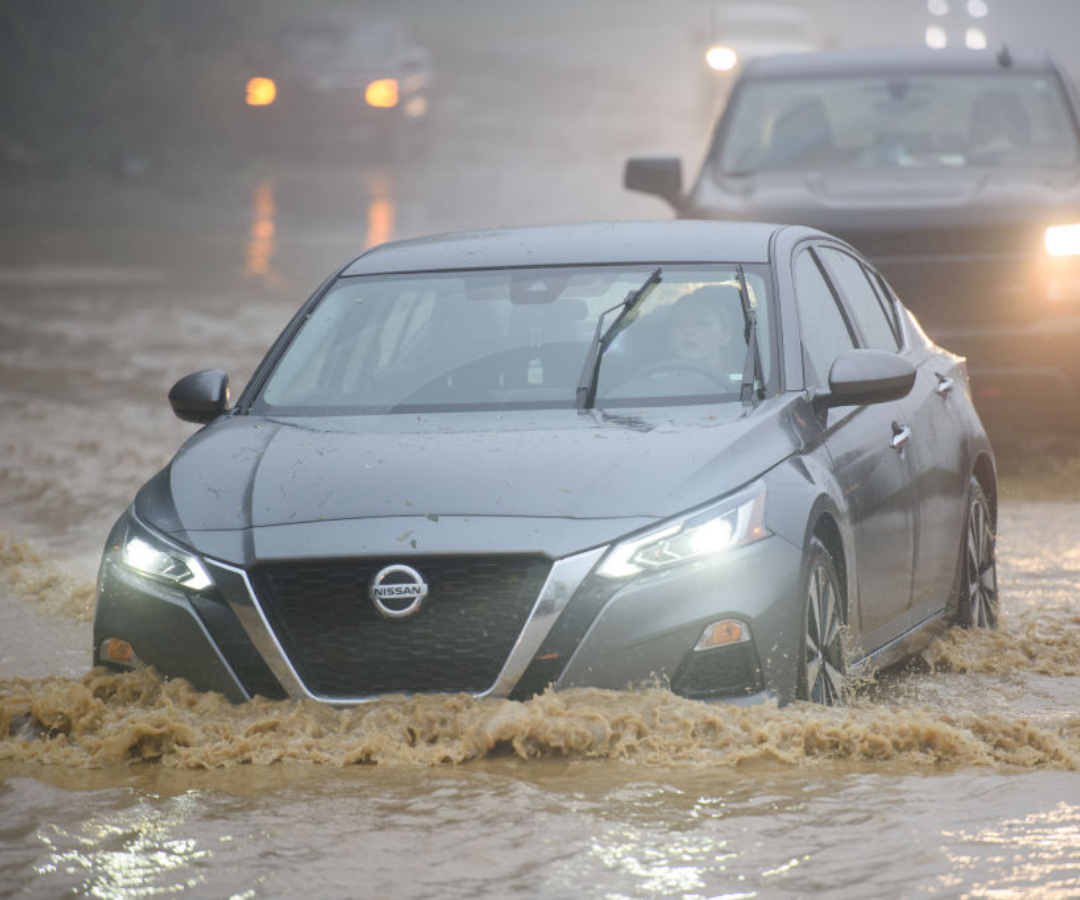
(581, 630)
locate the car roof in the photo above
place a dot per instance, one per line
(646, 242)
(893, 60)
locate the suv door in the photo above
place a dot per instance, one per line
(872, 466)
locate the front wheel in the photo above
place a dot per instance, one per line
(821, 661)
(978, 602)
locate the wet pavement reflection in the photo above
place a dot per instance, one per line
(542, 829)
(261, 247)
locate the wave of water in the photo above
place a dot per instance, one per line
(106, 719)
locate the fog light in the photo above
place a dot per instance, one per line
(722, 633)
(415, 107)
(118, 652)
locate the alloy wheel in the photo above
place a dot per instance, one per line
(824, 651)
(980, 568)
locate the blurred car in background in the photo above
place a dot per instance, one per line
(320, 82)
(957, 172)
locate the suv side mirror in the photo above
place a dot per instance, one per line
(201, 396)
(860, 377)
(659, 175)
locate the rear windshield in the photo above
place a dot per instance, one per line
(991, 120)
(506, 339)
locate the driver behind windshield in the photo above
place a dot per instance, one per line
(703, 328)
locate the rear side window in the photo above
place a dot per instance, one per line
(825, 331)
(866, 305)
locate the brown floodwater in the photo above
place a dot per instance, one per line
(955, 777)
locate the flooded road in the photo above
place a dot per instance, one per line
(954, 778)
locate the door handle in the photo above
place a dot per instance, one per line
(901, 435)
(945, 384)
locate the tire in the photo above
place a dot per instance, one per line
(822, 668)
(977, 604)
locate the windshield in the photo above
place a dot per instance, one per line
(931, 120)
(518, 338)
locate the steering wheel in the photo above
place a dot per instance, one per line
(684, 365)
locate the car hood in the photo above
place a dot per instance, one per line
(844, 201)
(247, 474)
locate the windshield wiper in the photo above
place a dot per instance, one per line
(752, 366)
(590, 372)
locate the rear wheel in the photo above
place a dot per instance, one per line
(821, 663)
(978, 602)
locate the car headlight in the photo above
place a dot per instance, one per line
(151, 556)
(721, 59)
(1063, 240)
(260, 92)
(382, 93)
(734, 522)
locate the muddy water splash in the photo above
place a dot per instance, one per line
(26, 576)
(106, 720)
(109, 719)
(1046, 641)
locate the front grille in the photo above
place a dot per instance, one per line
(459, 640)
(229, 636)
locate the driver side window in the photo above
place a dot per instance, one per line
(825, 330)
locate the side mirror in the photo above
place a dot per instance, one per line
(659, 175)
(201, 396)
(861, 377)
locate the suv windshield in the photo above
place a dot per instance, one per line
(518, 338)
(921, 120)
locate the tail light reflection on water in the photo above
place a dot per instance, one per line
(261, 247)
(380, 209)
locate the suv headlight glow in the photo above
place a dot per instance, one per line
(721, 59)
(150, 556)
(734, 522)
(1063, 240)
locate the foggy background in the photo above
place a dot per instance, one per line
(128, 175)
(128, 180)
(533, 106)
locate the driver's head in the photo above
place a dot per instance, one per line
(701, 323)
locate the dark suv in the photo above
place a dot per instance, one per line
(956, 172)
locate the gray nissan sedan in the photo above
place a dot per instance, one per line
(713, 456)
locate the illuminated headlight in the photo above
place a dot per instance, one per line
(721, 59)
(737, 521)
(382, 93)
(1063, 240)
(260, 92)
(143, 553)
